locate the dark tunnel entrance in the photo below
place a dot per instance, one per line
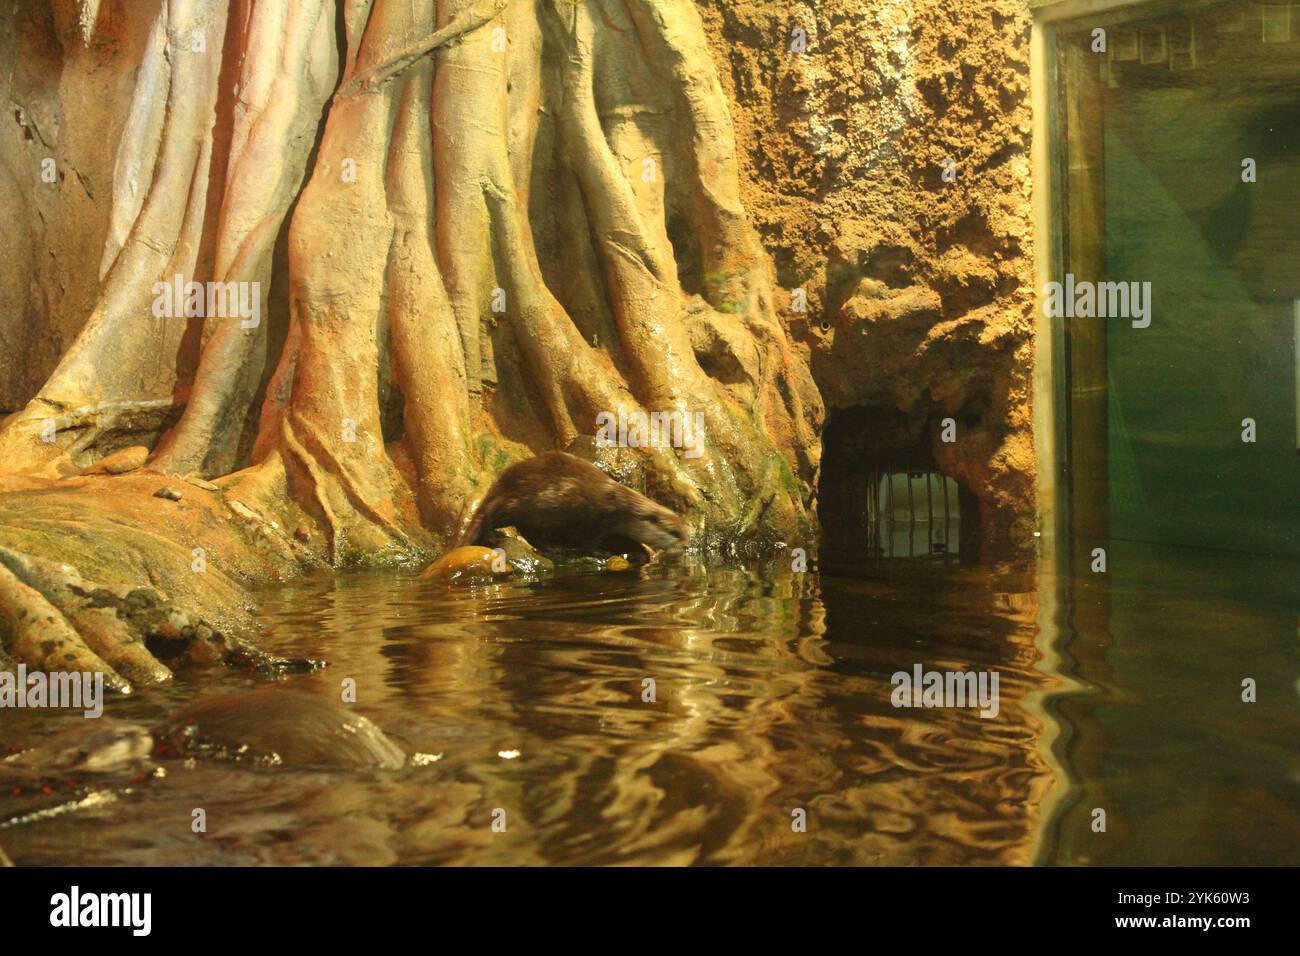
(882, 498)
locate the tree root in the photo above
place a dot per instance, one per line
(38, 634)
(427, 261)
(370, 80)
(279, 112)
(117, 357)
(90, 424)
(52, 620)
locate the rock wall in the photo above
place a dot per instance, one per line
(919, 287)
(63, 100)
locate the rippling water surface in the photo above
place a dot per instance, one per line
(772, 690)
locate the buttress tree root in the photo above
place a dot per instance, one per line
(472, 227)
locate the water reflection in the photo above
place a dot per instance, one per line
(772, 693)
(1156, 731)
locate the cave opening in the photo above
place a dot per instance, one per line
(882, 496)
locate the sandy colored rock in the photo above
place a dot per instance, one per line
(465, 565)
(120, 462)
(920, 291)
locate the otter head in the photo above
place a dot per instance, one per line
(652, 524)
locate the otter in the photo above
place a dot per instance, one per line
(267, 727)
(560, 501)
(271, 727)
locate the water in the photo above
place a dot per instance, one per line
(772, 695)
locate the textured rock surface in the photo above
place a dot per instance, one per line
(120, 462)
(919, 291)
(67, 101)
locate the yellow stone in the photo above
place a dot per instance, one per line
(465, 564)
(617, 563)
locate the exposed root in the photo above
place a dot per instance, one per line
(279, 111)
(57, 621)
(426, 262)
(341, 492)
(117, 357)
(649, 307)
(35, 632)
(36, 440)
(91, 611)
(428, 353)
(370, 80)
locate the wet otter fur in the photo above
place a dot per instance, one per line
(265, 728)
(560, 501)
(272, 727)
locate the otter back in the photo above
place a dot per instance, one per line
(557, 500)
(277, 727)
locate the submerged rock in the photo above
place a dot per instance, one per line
(274, 727)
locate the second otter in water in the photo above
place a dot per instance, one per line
(557, 500)
(272, 727)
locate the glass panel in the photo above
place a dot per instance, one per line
(1180, 161)
(1176, 171)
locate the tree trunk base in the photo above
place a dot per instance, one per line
(103, 575)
